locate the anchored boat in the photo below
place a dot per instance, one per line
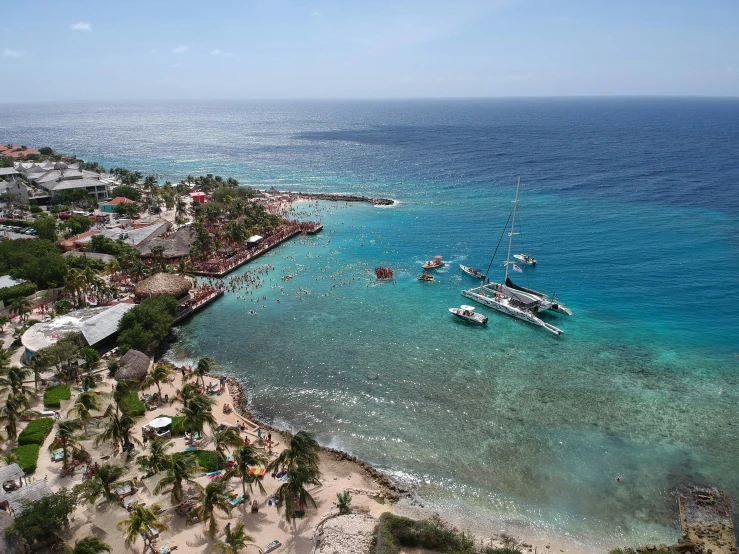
(525, 259)
(468, 313)
(472, 272)
(434, 264)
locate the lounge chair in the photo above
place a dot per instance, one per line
(236, 501)
(274, 545)
(57, 455)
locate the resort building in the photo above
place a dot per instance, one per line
(16, 188)
(54, 178)
(13, 151)
(109, 207)
(98, 326)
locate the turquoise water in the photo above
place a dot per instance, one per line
(630, 207)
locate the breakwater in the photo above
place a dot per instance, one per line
(334, 197)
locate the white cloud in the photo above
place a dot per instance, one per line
(218, 52)
(317, 14)
(81, 26)
(8, 53)
(179, 64)
(181, 49)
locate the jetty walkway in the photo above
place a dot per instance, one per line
(188, 309)
(220, 268)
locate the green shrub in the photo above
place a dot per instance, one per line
(132, 405)
(16, 291)
(36, 210)
(54, 396)
(36, 431)
(62, 307)
(395, 531)
(207, 459)
(15, 222)
(27, 456)
(177, 428)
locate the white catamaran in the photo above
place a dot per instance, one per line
(514, 302)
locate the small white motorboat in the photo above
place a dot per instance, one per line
(468, 313)
(472, 271)
(525, 259)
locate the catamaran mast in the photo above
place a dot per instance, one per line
(513, 226)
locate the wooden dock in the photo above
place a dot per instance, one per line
(252, 255)
(190, 310)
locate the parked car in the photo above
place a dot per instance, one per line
(65, 216)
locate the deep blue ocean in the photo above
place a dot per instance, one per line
(631, 207)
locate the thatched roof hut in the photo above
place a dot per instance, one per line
(163, 284)
(134, 366)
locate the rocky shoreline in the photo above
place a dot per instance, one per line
(335, 197)
(390, 490)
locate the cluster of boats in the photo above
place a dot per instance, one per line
(506, 297)
(509, 298)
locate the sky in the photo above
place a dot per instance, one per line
(134, 50)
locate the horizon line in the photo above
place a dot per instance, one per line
(384, 98)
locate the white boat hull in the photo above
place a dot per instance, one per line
(489, 295)
(471, 317)
(527, 260)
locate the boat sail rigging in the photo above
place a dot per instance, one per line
(521, 304)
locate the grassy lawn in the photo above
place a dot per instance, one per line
(36, 431)
(54, 396)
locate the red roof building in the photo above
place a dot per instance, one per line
(13, 151)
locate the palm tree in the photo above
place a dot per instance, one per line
(158, 459)
(5, 358)
(103, 483)
(205, 365)
(117, 428)
(74, 284)
(212, 498)
(21, 307)
(293, 495)
(39, 363)
(139, 522)
(88, 545)
(182, 468)
(156, 375)
(14, 379)
(66, 439)
(245, 457)
(197, 413)
(180, 209)
(86, 403)
(302, 451)
(235, 540)
(225, 440)
(91, 357)
(122, 389)
(343, 501)
(16, 406)
(3, 322)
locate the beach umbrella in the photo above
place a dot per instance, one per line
(160, 422)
